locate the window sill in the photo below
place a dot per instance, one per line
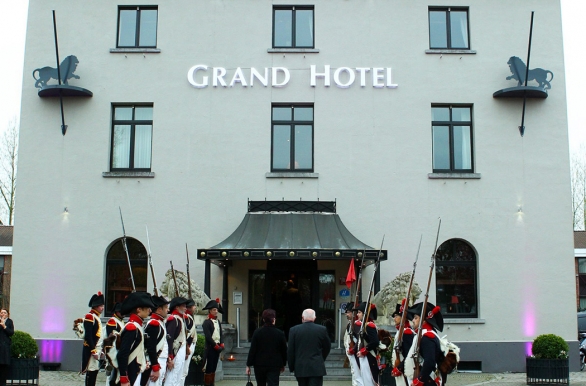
(291, 175)
(464, 321)
(447, 51)
(128, 174)
(293, 51)
(135, 50)
(455, 176)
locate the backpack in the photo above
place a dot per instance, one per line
(111, 346)
(78, 328)
(451, 356)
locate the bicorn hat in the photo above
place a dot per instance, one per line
(190, 303)
(135, 300)
(117, 307)
(97, 300)
(373, 312)
(159, 301)
(177, 301)
(348, 307)
(399, 308)
(432, 315)
(214, 304)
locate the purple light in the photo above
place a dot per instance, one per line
(53, 320)
(528, 348)
(50, 350)
(529, 325)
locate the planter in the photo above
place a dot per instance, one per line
(195, 375)
(385, 378)
(23, 371)
(548, 371)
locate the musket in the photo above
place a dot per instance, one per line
(422, 316)
(174, 279)
(151, 264)
(366, 313)
(399, 339)
(188, 277)
(356, 301)
(126, 250)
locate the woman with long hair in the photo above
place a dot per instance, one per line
(268, 351)
(6, 332)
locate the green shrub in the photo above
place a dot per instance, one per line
(550, 346)
(199, 349)
(23, 345)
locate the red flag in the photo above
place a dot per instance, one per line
(351, 277)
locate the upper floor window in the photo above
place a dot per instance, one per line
(132, 131)
(452, 139)
(292, 138)
(448, 28)
(137, 27)
(456, 279)
(293, 27)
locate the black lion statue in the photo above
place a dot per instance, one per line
(518, 69)
(68, 67)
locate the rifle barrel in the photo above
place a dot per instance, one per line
(126, 250)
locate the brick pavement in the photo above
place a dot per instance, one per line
(67, 378)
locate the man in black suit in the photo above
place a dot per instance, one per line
(309, 345)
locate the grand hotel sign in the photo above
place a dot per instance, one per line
(202, 76)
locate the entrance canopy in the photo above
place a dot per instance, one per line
(290, 230)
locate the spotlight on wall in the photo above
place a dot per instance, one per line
(65, 210)
(520, 209)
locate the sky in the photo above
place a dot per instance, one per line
(13, 31)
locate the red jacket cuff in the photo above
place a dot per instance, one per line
(124, 379)
(363, 351)
(156, 367)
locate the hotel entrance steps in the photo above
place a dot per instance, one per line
(236, 368)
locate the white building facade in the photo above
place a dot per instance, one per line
(188, 115)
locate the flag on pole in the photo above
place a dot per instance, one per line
(351, 277)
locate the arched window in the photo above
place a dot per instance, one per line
(118, 283)
(456, 279)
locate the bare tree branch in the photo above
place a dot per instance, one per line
(8, 162)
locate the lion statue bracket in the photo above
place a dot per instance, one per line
(519, 71)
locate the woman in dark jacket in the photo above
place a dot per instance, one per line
(268, 352)
(6, 331)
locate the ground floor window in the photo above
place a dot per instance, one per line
(456, 279)
(118, 283)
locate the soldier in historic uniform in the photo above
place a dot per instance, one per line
(430, 353)
(92, 341)
(406, 341)
(368, 347)
(131, 354)
(214, 341)
(351, 344)
(156, 345)
(176, 340)
(114, 326)
(191, 334)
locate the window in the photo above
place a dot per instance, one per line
(137, 27)
(132, 130)
(452, 139)
(293, 27)
(118, 284)
(448, 28)
(582, 283)
(455, 278)
(292, 138)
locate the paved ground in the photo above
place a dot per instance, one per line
(66, 378)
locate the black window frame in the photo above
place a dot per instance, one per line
(292, 124)
(451, 123)
(137, 35)
(448, 10)
(132, 124)
(294, 8)
(439, 263)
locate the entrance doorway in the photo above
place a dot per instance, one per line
(289, 287)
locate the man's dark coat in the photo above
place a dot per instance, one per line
(309, 345)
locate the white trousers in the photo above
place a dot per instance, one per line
(356, 375)
(162, 372)
(174, 375)
(186, 365)
(367, 379)
(137, 382)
